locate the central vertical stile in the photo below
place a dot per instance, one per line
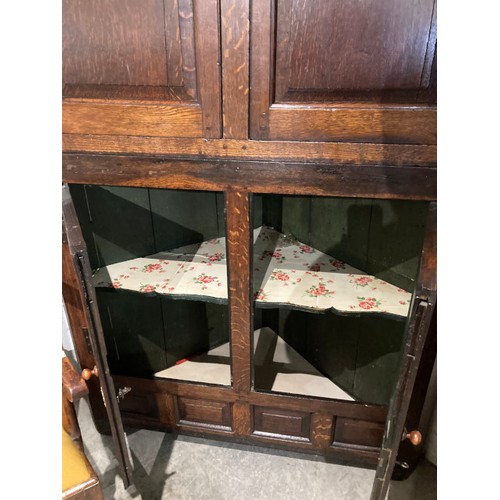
(239, 238)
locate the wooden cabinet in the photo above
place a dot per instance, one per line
(296, 140)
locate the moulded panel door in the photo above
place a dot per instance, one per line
(141, 68)
(343, 70)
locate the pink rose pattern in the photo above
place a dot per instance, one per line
(216, 257)
(279, 275)
(149, 268)
(309, 279)
(362, 281)
(368, 303)
(306, 249)
(205, 279)
(318, 291)
(276, 254)
(337, 264)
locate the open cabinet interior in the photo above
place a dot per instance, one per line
(146, 331)
(332, 284)
(345, 270)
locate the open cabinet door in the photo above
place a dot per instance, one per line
(417, 326)
(72, 237)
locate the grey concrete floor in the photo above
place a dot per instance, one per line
(185, 468)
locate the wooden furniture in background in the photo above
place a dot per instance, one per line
(79, 480)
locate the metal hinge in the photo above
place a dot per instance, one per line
(86, 336)
(122, 392)
(102, 396)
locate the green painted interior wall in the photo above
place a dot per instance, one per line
(381, 237)
(145, 334)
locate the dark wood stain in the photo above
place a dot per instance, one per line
(188, 51)
(285, 423)
(360, 432)
(280, 178)
(347, 45)
(114, 42)
(208, 65)
(319, 99)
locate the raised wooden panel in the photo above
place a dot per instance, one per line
(140, 404)
(141, 68)
(122, 42)
(343, 71)
(359, 432)
(282, 423)
(201, 412)
(347, 44)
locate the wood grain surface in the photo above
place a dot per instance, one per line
(235, 67)
(239, 237)
(82, 117)
(378, 124)
(280, 178)
(307, 152)
(207, 36)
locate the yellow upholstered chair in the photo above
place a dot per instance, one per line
(79, 480)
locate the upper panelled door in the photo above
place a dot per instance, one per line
(141, 68)
(343, 70)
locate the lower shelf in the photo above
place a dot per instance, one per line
(278, 368)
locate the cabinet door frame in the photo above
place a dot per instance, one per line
(417, 327)
(412, 122)
(73, 238)
(158, 111)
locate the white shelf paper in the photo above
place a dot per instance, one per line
(286, 272)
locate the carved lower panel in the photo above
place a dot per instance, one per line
(358, 432)
(139, 404)
(282, 423)
(166, 406)
(203, 413)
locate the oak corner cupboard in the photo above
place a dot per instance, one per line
(249, 206)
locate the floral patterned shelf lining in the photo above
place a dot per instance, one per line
(286, 272)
